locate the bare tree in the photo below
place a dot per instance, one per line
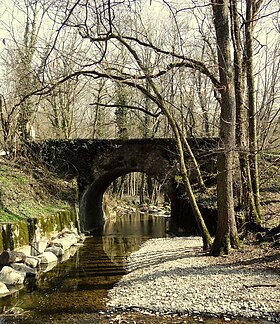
(226, 235)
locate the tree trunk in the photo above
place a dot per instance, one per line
(226, 234)
(249, 27)
(247, 196)
(207, 240)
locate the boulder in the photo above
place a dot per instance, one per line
(71, 237)
(47, 257)
(62, 242)
(39, 246)
(47, 266)
(24, 268)
(8, 257)
(56, 250)
(3, 289)
(9, 276)
(32, 262)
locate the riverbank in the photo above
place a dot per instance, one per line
(173, 276)
(29, 191)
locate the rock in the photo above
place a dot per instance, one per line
(47, 257)
(8, 257)
(71, 237)
(39, 246)
(82, 237)
(56, 250)
(47, 266)
(32, 262)
(23, 268)
(62, 242)
(3, 289)
(66, 256)
(79, 244)
(9, 276)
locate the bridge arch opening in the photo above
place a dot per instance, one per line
(92, 216)
(137, 188)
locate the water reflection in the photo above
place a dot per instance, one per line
(78, 287)
(125, 234)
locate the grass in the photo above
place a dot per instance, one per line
(28, 191)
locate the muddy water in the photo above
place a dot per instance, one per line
(75, 291)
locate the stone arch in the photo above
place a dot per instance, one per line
(151, 159)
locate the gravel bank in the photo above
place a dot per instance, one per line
(173, 275)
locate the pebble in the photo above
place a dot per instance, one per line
(170, 276)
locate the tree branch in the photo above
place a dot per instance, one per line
(127, 106)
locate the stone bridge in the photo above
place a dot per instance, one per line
(97, 163)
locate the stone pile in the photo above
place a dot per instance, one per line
(17, 266)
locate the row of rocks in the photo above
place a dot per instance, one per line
(17, 266)
(146, 209)
(156, 210)
(174, 276)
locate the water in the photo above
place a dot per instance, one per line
(76, 290)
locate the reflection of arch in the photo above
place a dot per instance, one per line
(150, 159)
(124, 236)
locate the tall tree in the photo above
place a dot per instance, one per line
(252, 9)
(226, 234)
(247, 200)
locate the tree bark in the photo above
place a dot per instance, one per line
(251, 10)
(226, 234)
(247, 196)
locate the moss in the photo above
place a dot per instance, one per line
(8, 216)
(8, 243)
(47, 224)
(20, 234)
(1, 239)
(65, 218)
(31, 223)
(21, 180)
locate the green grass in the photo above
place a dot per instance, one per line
(27, 192)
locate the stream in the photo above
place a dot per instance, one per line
(75, 291)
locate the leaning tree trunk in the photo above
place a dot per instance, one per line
(226, 234)
(207, 240)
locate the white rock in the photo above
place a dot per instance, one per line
(3, 289)
(79, 244)
(47, 257)
(9, 276)
(62, 243)
(39, 246)
(82, 237)
(32, 262)
(71, 237)
(47, 266)
(56, 250)
(23, 268)
(66, 256)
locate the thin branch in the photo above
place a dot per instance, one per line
(60, 29)
(127, 106)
